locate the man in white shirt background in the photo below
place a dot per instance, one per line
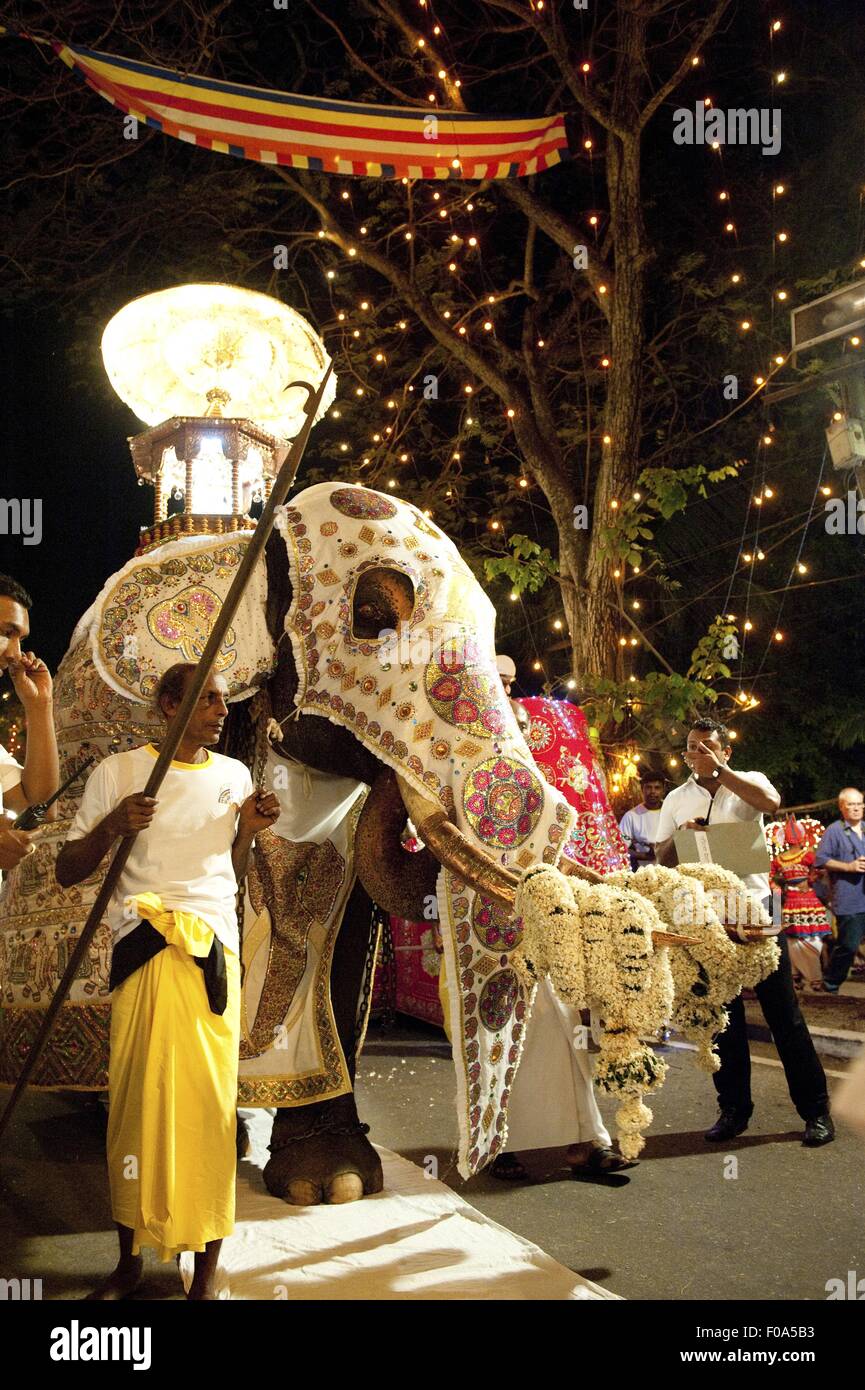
(22, 786)
(639, 826)
(714, 794)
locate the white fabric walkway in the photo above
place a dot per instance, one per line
(415, 1240)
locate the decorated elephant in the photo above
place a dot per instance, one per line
(364, 691)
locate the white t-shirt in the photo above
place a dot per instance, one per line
(10, 773)
(693, 802)
(639, 826)
(184, 855)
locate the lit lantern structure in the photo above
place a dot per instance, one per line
(209, 368)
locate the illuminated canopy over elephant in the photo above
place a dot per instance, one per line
(361, 669)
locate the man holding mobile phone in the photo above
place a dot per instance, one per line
(22, 786)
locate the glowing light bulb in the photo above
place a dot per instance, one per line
(608, 439)
(780, 189)
(729, 227)
(488, 326)
(602, 289)
(735, 279)
(593, 221)
(614, 504)
(623, 641)
(749, 626)
(747, 559)
(783, 236)
(745, 325)
(759, 380)
(767, 439)
(779, 637)
(780, 77)
(617, 574)
(854, 342)
(511, 412)
(587, 144)
(605, 361)
(782, 294)
(802, 569)
(779, 360)
(473, 241)
(557, 624)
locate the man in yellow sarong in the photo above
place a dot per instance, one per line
(175, 981)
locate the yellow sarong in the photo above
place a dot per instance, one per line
(172, 1084)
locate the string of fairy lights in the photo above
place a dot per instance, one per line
(455, 212)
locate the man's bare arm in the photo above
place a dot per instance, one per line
(78, 859)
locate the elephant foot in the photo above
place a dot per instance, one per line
(320, 1153)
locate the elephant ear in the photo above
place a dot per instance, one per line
(160, 609)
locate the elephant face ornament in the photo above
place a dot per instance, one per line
(393, 638)
(182, 624)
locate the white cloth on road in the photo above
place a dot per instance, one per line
(415, 1240)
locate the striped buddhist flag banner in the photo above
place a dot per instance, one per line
(335, 137)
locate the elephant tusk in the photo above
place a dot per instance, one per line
(454, 852)
(568, 866)
(477, 868)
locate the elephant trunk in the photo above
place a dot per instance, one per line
(401, 883)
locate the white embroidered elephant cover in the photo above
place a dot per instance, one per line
(429, 702)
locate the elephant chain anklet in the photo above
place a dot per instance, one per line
(318, 1127)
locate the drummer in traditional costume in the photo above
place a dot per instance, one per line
(806, 925)
(175, 980)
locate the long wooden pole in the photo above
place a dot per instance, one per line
(281, 488)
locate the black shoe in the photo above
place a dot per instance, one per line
(818, 1132)
(728, 1124)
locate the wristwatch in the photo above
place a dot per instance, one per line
(716, 773)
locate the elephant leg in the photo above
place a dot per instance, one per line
(320, 1152)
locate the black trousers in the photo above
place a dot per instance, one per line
(806, 1079)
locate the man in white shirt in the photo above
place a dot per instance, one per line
(714, 794)
(175, 981)
(39, 777)
(639, 826)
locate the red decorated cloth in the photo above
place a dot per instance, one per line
(559, 739)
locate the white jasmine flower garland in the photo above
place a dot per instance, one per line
(708, 975)
(595, 942)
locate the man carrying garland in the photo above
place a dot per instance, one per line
(715, 794)
(175, 981)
